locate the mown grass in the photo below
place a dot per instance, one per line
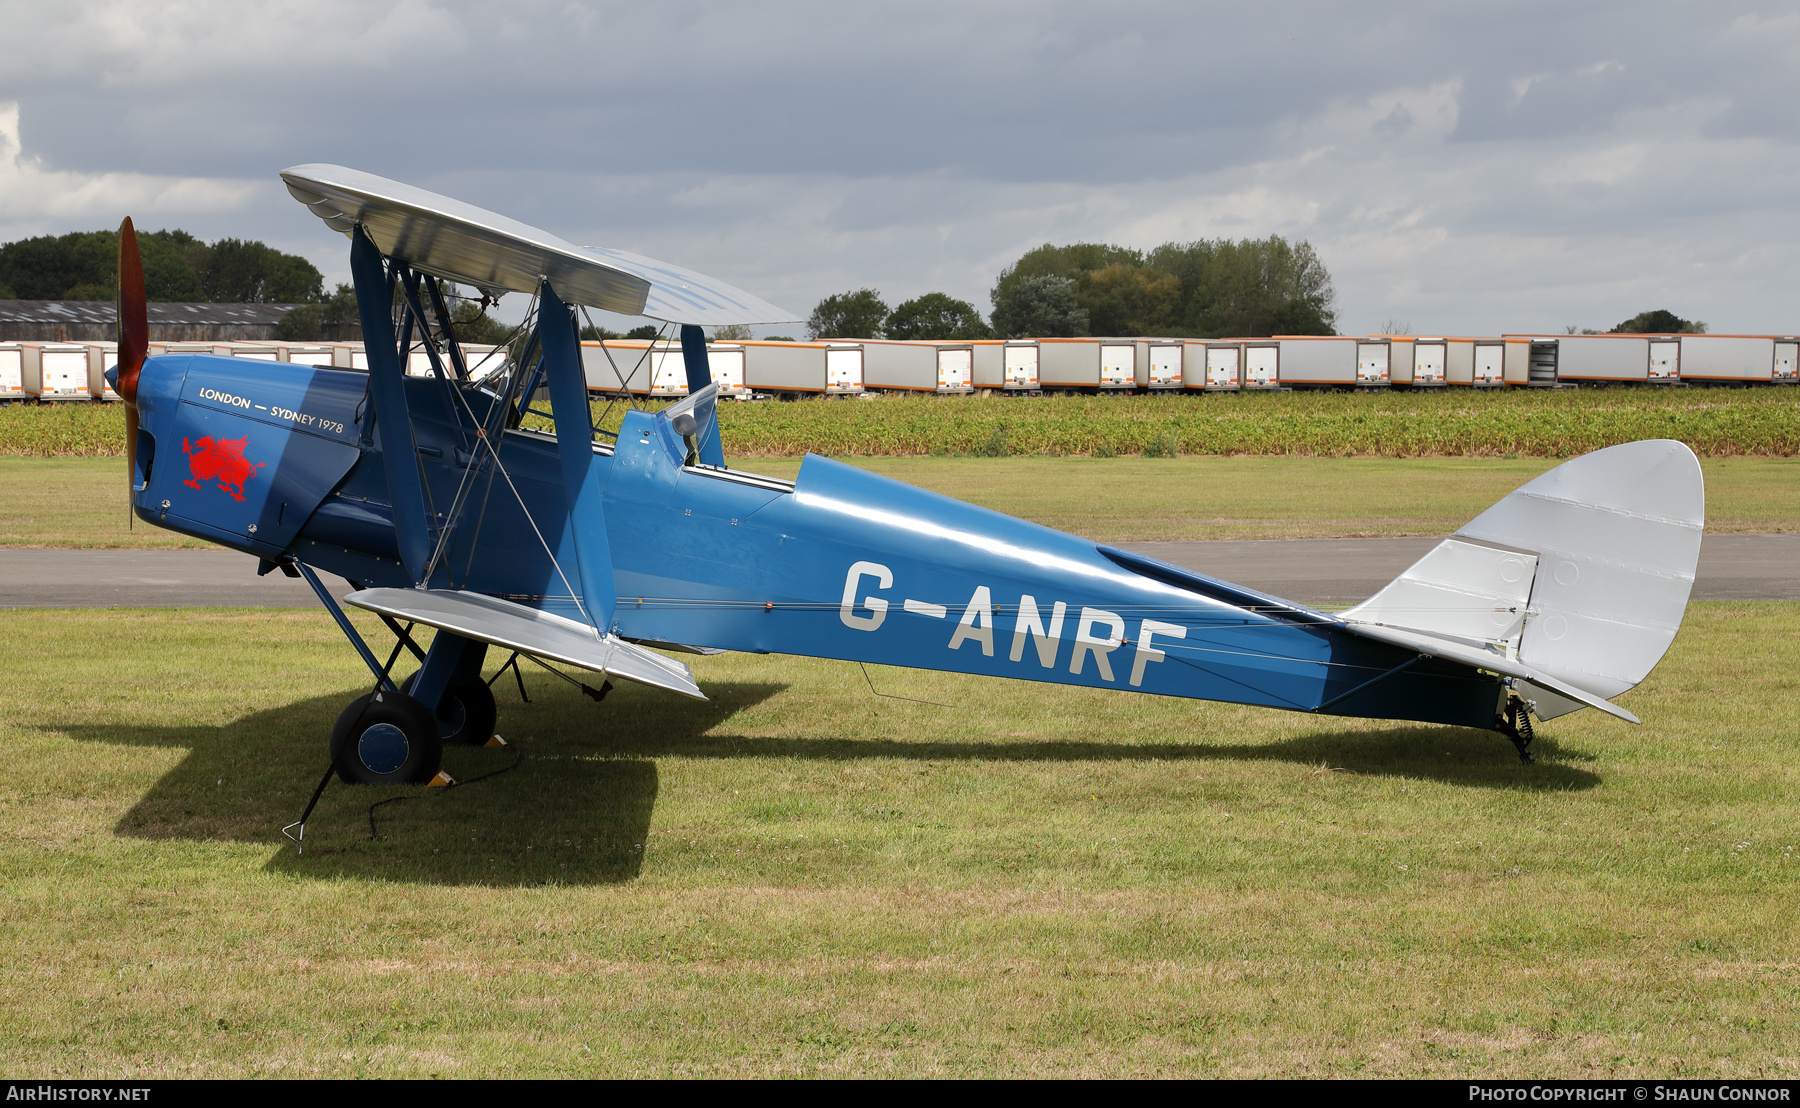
(1717, 423)
(801, 878)
(80, 502)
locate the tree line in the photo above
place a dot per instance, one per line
(178, 267)
(1210, 288)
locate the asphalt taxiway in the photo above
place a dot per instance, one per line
(1312, 571)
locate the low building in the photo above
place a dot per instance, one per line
(79, 320)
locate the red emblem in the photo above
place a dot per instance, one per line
(224, 461)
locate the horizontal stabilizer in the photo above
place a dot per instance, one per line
(540, 634)
(1460, 590)
(1484, 658)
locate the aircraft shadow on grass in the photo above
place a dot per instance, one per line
(571, 800)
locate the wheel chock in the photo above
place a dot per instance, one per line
(495, 741)
(441, 781)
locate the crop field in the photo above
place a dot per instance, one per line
(802, 877)
(80, 502)
(1717, 423)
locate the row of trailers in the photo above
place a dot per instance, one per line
(747, 369)
(74, 371)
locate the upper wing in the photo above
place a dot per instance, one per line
(473, 246)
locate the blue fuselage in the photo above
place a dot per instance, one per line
(280, 461)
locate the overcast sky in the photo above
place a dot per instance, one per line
(1467, 169)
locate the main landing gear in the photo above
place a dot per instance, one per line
(1516, 725)
(386, 738)
(396, 736)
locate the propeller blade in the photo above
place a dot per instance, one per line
(134, 315)
(134, 346)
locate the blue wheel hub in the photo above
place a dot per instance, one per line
(383, 748)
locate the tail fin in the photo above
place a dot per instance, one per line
(1582, 575)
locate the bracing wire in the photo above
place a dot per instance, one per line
(484, 439)
(457, 502)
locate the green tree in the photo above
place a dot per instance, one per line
(647, 331)
(1659, 322)
(243, 272)
(1250, 288)
(848, 315)
(1042, 306)
(301, 325)
(937, 315)
(334, 318)
(732, 332)
(1132, 300)
(1209, 288)
(177, 266)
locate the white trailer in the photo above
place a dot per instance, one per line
(1490, 364)
(1430, 363)
(62, 372)
(1021, 365)
(843, 370)
(12, 371)
(668, 370)
(1262, 365)
(1787, 361)
(1223, 367)
(1372, 363)
(1118, 365)
(1163, 361)
(1665, 361)
(726, 364)
(956, 369)
(1317, 361)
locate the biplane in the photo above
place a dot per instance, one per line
(445, 506)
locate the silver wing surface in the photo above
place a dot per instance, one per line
(543, 635)
(473, 246)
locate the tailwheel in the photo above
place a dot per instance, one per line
(1517, 726)
(467, 714)
(386, 738)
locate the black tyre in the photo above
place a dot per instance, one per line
(468, 712)
(386, 739)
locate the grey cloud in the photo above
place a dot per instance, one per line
(1471, 167)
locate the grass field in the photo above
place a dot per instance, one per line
(802, 878)
(1717, 423)
(80, 501)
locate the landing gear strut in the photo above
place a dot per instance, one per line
(1516, 725)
